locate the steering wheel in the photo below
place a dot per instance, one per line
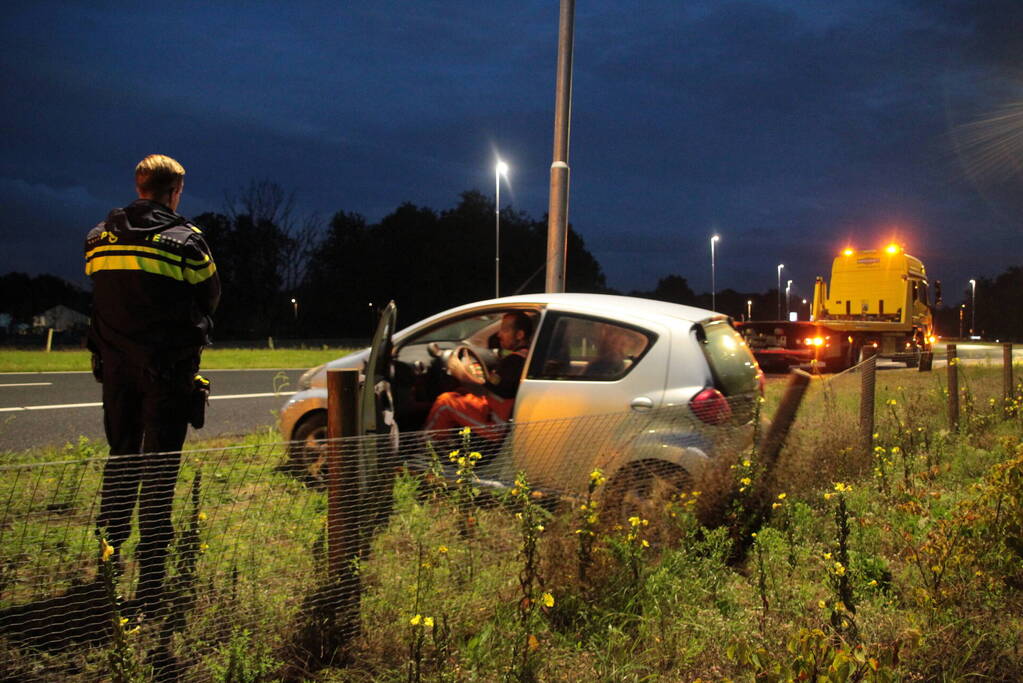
(468, 365)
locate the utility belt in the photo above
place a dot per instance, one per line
(199, 392)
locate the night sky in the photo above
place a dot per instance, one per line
(789, 128)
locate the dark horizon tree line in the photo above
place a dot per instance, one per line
(288, 277)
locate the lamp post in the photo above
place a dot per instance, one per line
(788, 287)
(961, 311)
(780, 266)
(713, 284)
(294, 304)
(973, 308)
(501, 169)
(749, 309)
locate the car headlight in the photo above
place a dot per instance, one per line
(306, 380)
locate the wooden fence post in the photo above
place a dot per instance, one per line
(953, 388)
(759, 508)
(1007, 380)
(868, 383)
(343, 500)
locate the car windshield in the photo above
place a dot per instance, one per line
(735, 370)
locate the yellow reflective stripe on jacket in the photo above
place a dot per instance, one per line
(149, 260)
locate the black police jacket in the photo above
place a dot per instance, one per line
(154, 285)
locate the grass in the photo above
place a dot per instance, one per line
(212, 359)
(903, 562)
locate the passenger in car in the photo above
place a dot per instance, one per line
(484, 407)
(612, 354)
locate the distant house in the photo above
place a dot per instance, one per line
(61, 319)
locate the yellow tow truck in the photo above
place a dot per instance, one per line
(877, 297)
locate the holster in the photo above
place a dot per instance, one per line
(97, 367)
(200, 399)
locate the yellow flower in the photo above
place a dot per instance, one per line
(839, 569)
(547, 600)
(827, 496)
(453, 456)
(841, 487)
(108, 550)
(202, 516)
(781, 496)
(745, 481)
(745, 463)
(827, 556)
(442, 549)
(465, 432)
(634, 521)
(124, 620)
(775, 506)
(416, 620)
(822, 604)
(645, 543)
(428, 622)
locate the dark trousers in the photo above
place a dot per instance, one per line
(145, 414)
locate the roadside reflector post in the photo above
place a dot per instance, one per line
(953, 388)
(343, 503)
(1007, 381)
(49, 340)
(868, 384)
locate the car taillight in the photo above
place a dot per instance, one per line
(711, 406)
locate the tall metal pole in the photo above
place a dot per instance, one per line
(557, 213)
(497, 230)
(713, 283)
(973, 308)
(780, 266)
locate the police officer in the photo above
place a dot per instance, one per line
(155, 286)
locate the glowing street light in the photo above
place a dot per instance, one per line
(788, 287)
(501, 169)
(713, 285)
(780, 266)
(973, 307)
(749, 309)
(294, 303)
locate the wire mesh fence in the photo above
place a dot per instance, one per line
(268, 571)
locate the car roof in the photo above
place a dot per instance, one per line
(606, 305)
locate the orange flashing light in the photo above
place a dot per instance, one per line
(892, 249)
(847, 252)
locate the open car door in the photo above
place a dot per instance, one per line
(376, 410)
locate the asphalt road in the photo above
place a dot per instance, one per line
(54, 408)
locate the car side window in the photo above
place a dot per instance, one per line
(588, 349)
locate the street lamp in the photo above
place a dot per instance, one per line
(294, 304)
(973, 307)
(713, 286)
(501, 169)
(788, 287)
(749, 309)
(780, 266)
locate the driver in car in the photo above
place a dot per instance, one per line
(482, 406)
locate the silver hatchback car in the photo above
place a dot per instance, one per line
(623, 384)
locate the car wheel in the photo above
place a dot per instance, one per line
(308, 451)
(644, 489)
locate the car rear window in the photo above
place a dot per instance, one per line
(731, 362)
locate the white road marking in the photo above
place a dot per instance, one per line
(94, 405)
(28, 384)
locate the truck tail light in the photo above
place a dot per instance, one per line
(711, 406)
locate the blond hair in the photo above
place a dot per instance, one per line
(157, 175)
